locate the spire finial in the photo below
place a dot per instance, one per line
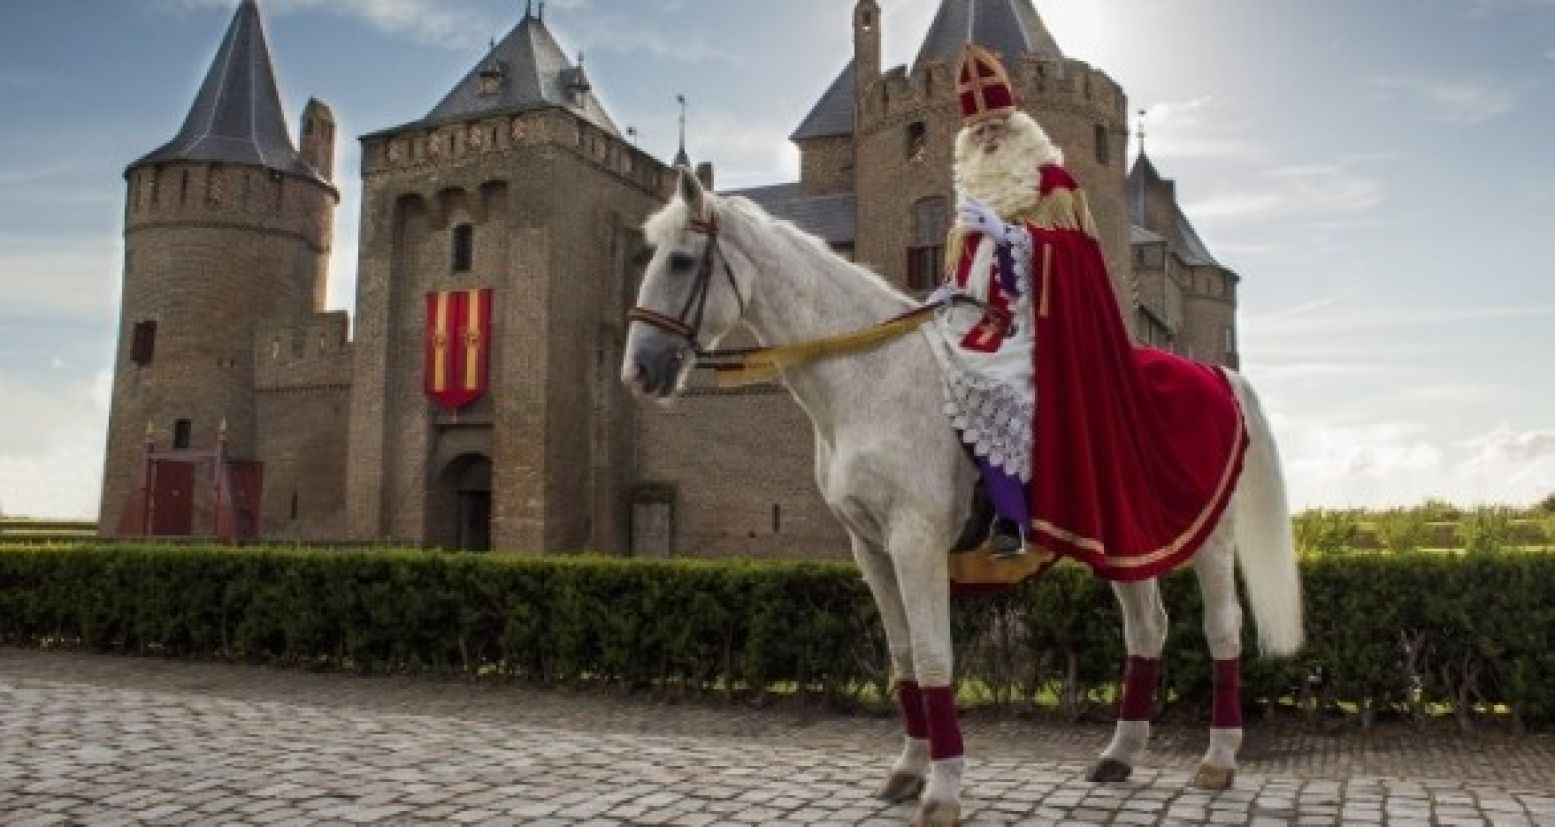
(1142, 132)
(681, 158)
(542, 11)
(529, 9)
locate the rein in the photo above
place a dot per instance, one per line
(740, 367)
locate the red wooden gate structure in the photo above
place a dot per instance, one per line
(162, 504)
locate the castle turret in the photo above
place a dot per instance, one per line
(318, 138)
(1192, 294)
(226, 225)
(866, 44)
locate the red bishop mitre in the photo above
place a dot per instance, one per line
(984, 86)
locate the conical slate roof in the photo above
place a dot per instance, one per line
(237, 116)
(535, 73)
(1143, 178)
(833, 113)
(1008, 27)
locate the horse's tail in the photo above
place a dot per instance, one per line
(1264, 545)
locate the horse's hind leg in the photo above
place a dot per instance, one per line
(1215, 566)
(1144, 634)
(907, 776)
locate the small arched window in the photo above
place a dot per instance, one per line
(1103, 145)
(463, 248)
(917, 141)
(925, 258)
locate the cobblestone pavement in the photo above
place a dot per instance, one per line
(99, 740)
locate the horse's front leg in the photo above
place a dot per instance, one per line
(1144, 636)
(907, 775)
(922, 572)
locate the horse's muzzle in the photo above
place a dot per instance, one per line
(653, 364)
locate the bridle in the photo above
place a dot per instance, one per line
(747, 366)
(687, 324)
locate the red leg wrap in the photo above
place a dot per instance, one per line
(1227, 712)
(1140, 678)
(939, 704)
(910, 698)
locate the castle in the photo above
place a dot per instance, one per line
(242, 408)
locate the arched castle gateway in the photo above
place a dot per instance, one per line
(495, 263)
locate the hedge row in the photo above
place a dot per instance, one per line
(1398, 634)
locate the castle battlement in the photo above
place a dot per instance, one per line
(313, 355)
(201, 193)
(449, 146)
(1043, 84)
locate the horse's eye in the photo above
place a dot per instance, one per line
(644, 255)
(681, 261)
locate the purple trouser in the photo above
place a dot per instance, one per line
(1007, 492)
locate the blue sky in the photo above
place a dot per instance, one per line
(1379, 173)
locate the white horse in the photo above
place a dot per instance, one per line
(895, 474)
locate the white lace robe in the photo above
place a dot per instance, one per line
(991, 397)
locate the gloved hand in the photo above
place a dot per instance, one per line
(979, 217)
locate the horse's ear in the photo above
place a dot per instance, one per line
(691, 192)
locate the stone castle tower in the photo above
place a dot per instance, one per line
(227, 231)
(520, 183)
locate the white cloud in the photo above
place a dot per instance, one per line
(445, 24)
(1504, 446)
(1518, 465)
(1197, 128)
(1457, 101)
(627, 36)
(1311, 191)
(1368, 321)
(429, 21)
(59, 277)
(1324, 452)
(51, 447)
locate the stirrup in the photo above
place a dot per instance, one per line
(1004, 546)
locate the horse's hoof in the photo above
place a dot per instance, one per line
(938, 814)
(1109, 771)
(900, 787)
(1214, 778)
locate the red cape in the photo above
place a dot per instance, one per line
(1136, 451)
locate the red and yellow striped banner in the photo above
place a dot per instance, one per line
(458, 350)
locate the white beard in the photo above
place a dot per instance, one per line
(1007, 179)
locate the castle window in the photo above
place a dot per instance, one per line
(777, 519)
(183, 434)
(925, 258)
(1230, 341)
(183, 187)
(463, 248)
(294, 505)
(1103, 145)
(917, 141)
(867, 21)
(143, 343)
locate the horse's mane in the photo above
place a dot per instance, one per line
(750, 220)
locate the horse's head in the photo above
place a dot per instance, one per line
(694, 291)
